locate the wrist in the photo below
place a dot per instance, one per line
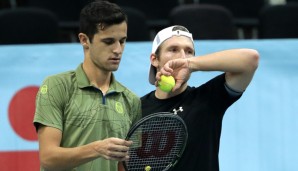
(189, 65)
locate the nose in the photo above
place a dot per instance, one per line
(118, 48)
(183, 54)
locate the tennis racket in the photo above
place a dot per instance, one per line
(159, 140)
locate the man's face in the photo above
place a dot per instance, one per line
(175, 47)
(107, 47)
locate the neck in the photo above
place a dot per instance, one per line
(98, 78)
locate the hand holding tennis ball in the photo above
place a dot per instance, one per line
(166, 83)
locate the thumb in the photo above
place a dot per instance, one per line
(177, 85)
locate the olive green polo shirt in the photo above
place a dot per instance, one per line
(68, 102)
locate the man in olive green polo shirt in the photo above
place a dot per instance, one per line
(83, 115)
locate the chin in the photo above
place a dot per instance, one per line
(114, 68)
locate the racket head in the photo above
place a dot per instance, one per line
(159, 141)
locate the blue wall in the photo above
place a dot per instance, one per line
(260, 131)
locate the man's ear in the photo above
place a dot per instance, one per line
(84, 40)
(153, 59)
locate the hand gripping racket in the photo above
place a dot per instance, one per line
(158, 142)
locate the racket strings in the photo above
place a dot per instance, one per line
(158, 143)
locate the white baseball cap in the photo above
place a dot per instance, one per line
(162, 36)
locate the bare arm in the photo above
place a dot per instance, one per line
(238, 64)
(54, 157)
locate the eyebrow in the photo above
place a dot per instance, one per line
(183, 46)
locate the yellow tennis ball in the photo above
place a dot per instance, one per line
(166, 83)
(147, 168)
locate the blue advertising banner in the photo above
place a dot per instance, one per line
(259, 131)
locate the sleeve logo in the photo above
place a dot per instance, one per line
(44, 89)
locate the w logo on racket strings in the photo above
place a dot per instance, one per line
(160, 140)
(156, 144)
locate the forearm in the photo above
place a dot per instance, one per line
(233, 61)
(238, 64)
(58, 158)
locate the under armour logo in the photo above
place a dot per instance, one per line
(179, 110)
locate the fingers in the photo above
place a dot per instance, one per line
(118, 150)
(118, 155)
(177, 86)
(166, 69)
(157, 78)
(114, 149)
(178, 68)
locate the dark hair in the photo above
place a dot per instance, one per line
(98, 15)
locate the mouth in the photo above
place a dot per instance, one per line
(115, 60)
